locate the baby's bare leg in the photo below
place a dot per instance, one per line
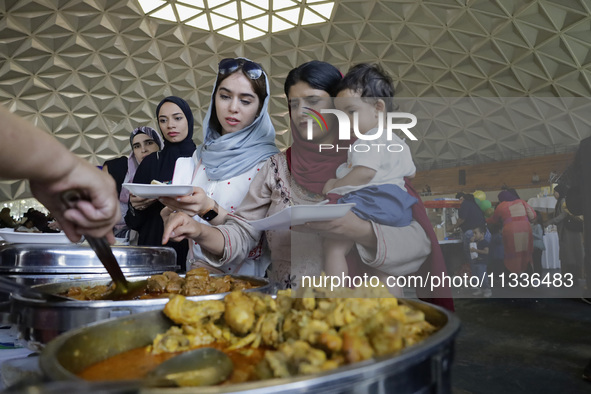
(335, 252)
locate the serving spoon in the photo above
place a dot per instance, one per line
(200, 367)
(124, 290)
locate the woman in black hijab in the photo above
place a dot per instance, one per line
(175, 120)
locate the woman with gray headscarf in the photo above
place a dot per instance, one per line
(238, 137)
(143, 140)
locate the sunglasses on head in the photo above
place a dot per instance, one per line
(251, 69)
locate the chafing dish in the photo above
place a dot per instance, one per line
(39, 321)
(422, 368)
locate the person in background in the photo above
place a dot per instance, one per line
(470, 216)
(38, 220)
(52, 170)
(511, 190)
(537, 228)
(238, 138)
(480, 263)
(373, 180)
(518, 243)
(143, 140)
(6, 219)
(579, 203)
(175, 120)
(570, 234)
(496, 253)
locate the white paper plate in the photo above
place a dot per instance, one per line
(9, 235)
(300, 214)
(155, 191)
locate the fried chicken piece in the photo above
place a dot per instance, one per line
(291, 324)
(171, 341)
(330, 341)
(284, 301)
(416, 332)
(195, 285)
(262, 303)
(219, 284)
(239, 312)
(167, 282)
(296, 357)
(198, 272)
(306, 301)
(384, 331)
(271, 329)
(170, 275)
(88, 293)
(278, 363)
(238, 284)
(183, 311)
(356, 346)
(157, 284)
(311, 330)
(411, 315)
(174, 286)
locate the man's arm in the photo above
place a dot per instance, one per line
(52, 170)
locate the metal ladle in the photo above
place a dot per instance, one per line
(200, 367)
(123, 290)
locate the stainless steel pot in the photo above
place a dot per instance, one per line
(45, 263)
(423, 368)
(32, 264)
(39, 321)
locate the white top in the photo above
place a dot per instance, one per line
(229, 194)
(391, 160)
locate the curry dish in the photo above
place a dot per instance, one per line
(285, 336)
(196, 282)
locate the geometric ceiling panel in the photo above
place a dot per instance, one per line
(464, 130)
(488, 79)
(238, 19)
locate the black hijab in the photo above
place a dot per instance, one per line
(160, 165)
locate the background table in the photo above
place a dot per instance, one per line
(551, 256)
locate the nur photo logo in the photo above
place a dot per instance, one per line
(317, 117)
(387, 122)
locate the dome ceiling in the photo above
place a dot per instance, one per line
(492, 79)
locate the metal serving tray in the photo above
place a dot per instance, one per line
(422, 368)
(39, 321)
